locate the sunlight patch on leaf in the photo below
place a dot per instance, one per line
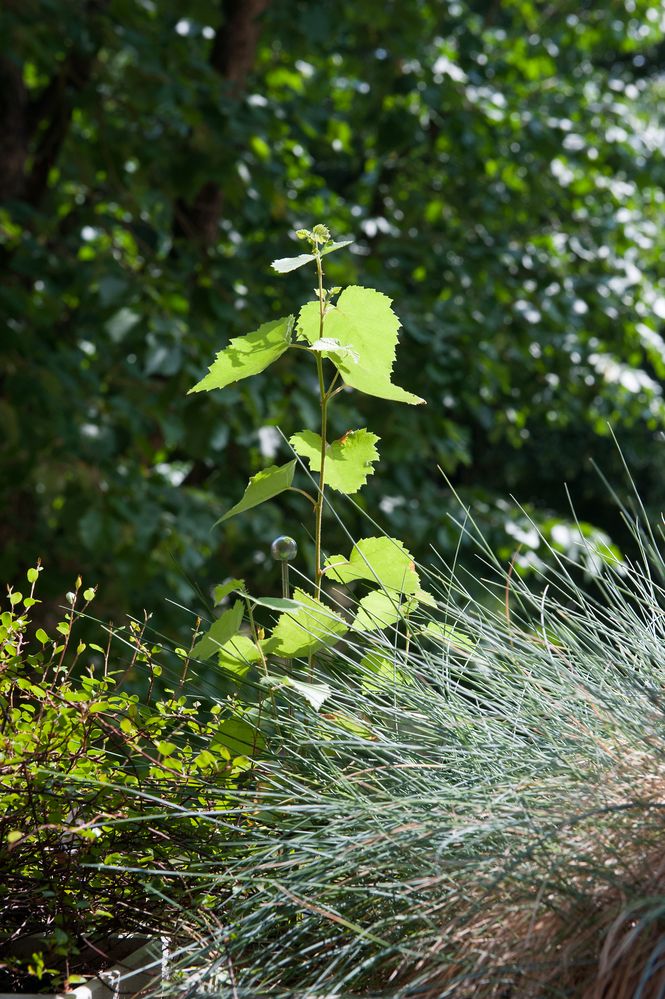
(224, 628)
(248, 355)
(332, 348)
(363, 320)
(381, 560)
(348, 460)
(311, 627)
(266, 484)
(314, 693)
(285, 264)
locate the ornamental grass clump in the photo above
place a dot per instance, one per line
(478, 809)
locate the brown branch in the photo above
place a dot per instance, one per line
(234, 49)
(232, 56)
(13, 127)
(33, 131)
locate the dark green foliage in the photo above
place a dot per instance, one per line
(502, 162)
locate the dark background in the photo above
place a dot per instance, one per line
(501, 167)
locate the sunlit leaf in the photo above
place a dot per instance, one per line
(363, 320)
(348, 460)
(377, 609)
(381, 560)
(382, 671)
(311, 627)
(238, 654)
(451, 636)
(248, 355)
(314, 693)
(332, 348)
(224, 628)
(286, 264)
(224, 589)
(265, 485)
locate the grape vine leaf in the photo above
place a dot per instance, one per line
(248, 355)
(238, 654)
(224, 628)
(381, 672)
(312, 626)
(348, 460)
(222, 591)
(286, 264)
(363, 320)
(377, 609)
(381, 560)
(266, 484)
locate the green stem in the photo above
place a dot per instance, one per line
(294, 489)
(255, 635)
(264, 664)
(318, 510)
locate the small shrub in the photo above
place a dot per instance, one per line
(88, 846)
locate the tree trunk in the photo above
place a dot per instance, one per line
(13, 128)
(233, 55)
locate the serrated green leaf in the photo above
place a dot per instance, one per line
(277, 603)
(381, 560)
(331, 247)
(377, 609)
(314, 693)
(348, 460)
(223, 629)
(311, 627)
(451, 636)
(248, 355)
(382, 672)
(238, 655)
(224, 589)
(363, 320)
(263, 486)
(285, 264)
(423, 597)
